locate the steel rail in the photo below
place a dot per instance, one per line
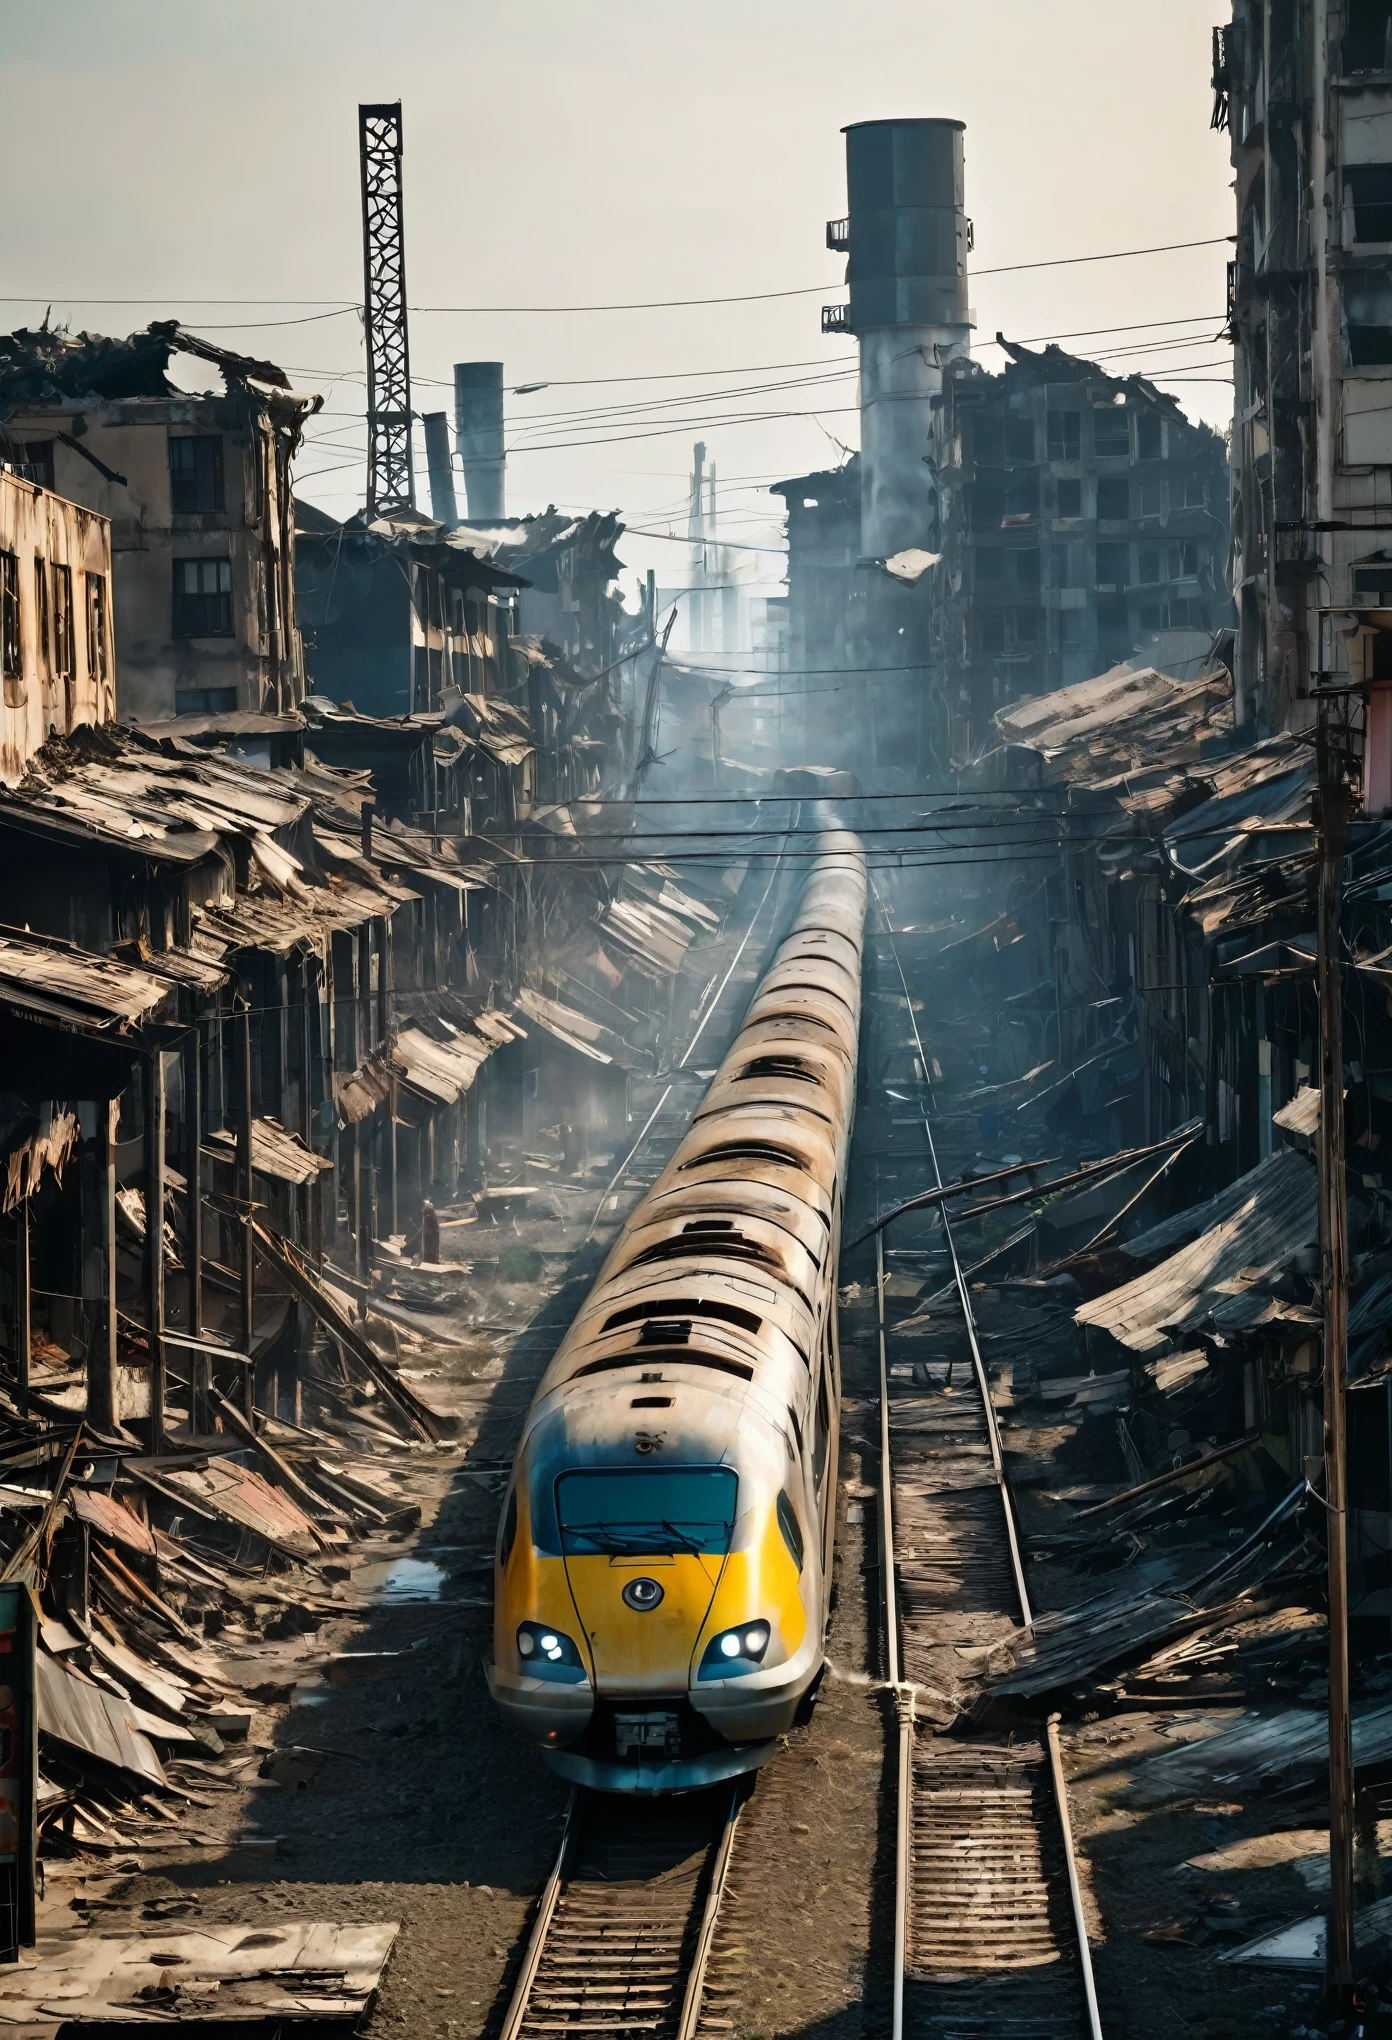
(1075, 1891)
(541, 1925)
(904, 1695)
(978, 1365)
(696, 1981)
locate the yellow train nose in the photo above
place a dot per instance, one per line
(642, 1616)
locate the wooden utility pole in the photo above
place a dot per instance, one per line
(1333, 823)
(154, 1239)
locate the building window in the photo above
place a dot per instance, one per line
(1019, 438)
(1184, 561)
(1368, 36)
(62, 623)
(1065, 435)
(1022, 498)
(1373, 583)
(1150, 572)
(33, 462)
(98, 632)
(1112, 565)
(43, 614)
(1114, 499)
(195, 476)
(11, 664)
(203, 598)
(1369, 188)
(1153, 498)
(205, 701)
(1368, 319)
(1024, 571)
(1113, 625)
(1150, 436)
(990, 565)
(1070, 499)
(1151, 616)
(987, 442)
(1111, 436)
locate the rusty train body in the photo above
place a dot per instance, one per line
(664, 1554)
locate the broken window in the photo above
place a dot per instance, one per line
(10, 660)
(1184, 561)
(993, 631)
(43, 630)
(205, 700)
(1022, 496)
(1024, 571)
(1150, 436)
(1113, 625)
(1114, 499)
(62, 623)
(34, 461)
(990, 564)
(1111, 436)
(98, 634)
(1194, 493)
(987, 440)
(1368, 35)
(1113, 562)
(987, 502)
(195, 475)
(1149, 569)
(202, 598)
(1065, 434)
(1368, 319)
(1019, 438)
(1153, 499)
(1150, 614)
(1070, 499)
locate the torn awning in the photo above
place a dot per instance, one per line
(243, 1498)
(87, 994)
(439, 1061)
(275, 1152)
(1223, 1277)
(91, 1719)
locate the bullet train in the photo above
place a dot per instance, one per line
(664, 1553)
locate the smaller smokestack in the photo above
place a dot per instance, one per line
(437, 460)
(478, 431)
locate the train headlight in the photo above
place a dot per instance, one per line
(548, 1653)
(735, 1651)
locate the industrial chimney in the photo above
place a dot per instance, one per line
(478, 431)
(440, 468)
(906, 238)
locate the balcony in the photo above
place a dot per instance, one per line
(839, 236)
(835, 318)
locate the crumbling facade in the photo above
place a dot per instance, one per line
(1304, 90)
(197, 491)
(1082, 522)
(56, 654)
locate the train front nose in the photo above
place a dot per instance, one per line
(641, 1617)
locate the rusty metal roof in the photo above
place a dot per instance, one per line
(88, 994)
(1238, 1243)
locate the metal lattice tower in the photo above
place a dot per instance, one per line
(391, 482)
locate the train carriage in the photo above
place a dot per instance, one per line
(663, 1565)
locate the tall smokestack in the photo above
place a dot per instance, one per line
(437, 461)
(478, 431)
(906, 237)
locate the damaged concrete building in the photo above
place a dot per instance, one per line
(197, 491)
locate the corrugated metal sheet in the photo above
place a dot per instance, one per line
(92, 994)
(275, 1152)
(245, 1499)
(573, 1029)
(1302, 1114)
(110, 1517)
(92, 1719)
(1122, 719)
(1222, 1278)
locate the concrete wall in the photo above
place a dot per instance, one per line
(157, 673)
(49, 538)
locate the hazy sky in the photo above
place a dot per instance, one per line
(562, 154)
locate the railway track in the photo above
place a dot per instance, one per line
(990, 1936)
(623, 1930)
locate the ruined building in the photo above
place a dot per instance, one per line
(1306, 91)
(197, 490)
(55, 619)
(1083, 522)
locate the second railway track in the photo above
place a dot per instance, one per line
(990, 1936)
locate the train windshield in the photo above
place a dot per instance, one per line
(635, 1513)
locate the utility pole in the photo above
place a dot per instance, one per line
(1332, 819)
(696, 531)
(391, 483)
